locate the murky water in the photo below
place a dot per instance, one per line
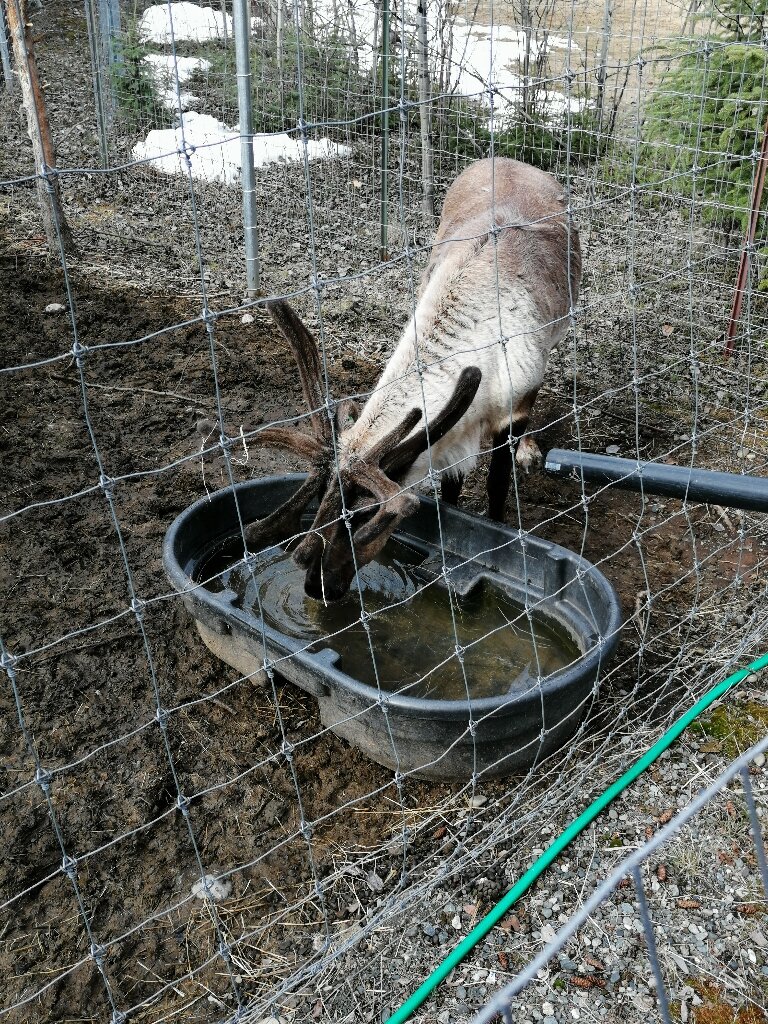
(411, 626)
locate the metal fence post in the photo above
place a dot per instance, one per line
(113, 7)
(383, 254)
(242, 32)
(107, 56)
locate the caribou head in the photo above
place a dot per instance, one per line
(361, 501)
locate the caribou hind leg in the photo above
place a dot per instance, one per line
(507, 440)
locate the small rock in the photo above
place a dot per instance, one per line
(548, 1009)
(247, 318)
(612, 449)
(456, 923)
(55, 307)
(477, 801)
(374, 882)
(759, 760)
(218, 888)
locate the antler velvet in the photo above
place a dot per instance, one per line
(312, 445)
(405, 454)
(376, 474)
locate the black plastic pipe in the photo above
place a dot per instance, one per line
(733, 490)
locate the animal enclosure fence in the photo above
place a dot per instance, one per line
(185, 840)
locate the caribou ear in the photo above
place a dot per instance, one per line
(404, 454)
(347, 413)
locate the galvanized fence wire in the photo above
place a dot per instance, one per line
(307, 951)
(503, 1006)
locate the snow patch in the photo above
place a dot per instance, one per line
(214, 150)
(190, 23)
(493, 53)
(162, 69)
(480, 54)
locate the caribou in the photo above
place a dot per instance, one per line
(495, 299)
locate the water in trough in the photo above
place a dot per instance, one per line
(413, 626)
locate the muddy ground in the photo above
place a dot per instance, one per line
(87, 695)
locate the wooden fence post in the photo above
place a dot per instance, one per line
(51, 210)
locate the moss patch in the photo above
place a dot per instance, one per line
(715, 1009)
(736, 726)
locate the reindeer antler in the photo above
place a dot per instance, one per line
(286, 519)
(404, 454)
(307, 358)
(312, 445)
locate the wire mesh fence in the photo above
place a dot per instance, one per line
(187, 834)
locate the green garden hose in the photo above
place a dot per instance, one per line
(564, 839)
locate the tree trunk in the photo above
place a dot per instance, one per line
(427, 172)
(54, 221)
(4, 52)
(279, 44)
(603, 64)
(527, 24)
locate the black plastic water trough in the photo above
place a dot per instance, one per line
(429, 738)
